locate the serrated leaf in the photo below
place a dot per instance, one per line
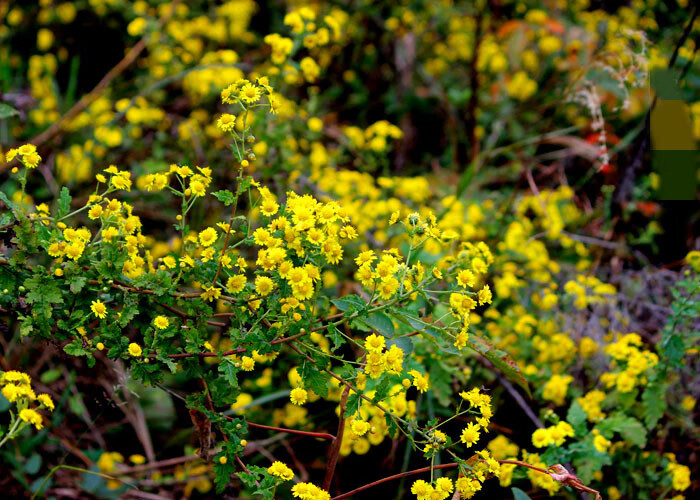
(380, 322)
(382, 389)
(336, 337)
(349, 303)
(225, 196)
(7, 111)
(315, 379)
(75, 348)
(654, 402)
(229, 372)
(222, 474)
(577, 418)
(628, 427)
(352, 406)
(64, 202)
(77, 283)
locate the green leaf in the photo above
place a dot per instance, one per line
(382, 389)
(628, 427)
(7, 111)
(50, 376)
(352, 406)
(335, 335)
(654, 403)
(244, 185)
(577, 418)
(77, 283)
(64, 202)
(6, 200)
(315, 379)
(349, 303)
(76, 348)
(42, 293)
(519, 494)
(222, 474)
(33, 465)
(404, 343)
(381, 322)
(673, 349)
(225, 196)
(500, 359)
(229, 371)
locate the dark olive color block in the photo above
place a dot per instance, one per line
(678, 174)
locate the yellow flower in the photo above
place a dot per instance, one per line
(249, 93)
(247, 364)
(388, 287)
(98, 309)
(485, 296)
(601, 444)
(32, 417)
(541, 438)
(375, 343)
(263, 285)
(298, 396)
(161, 322)
(688, 403)
(466, 278)
(46, 400)
(12, 392)
(208, 237)
(135, 350)
(470, 434)
(211, 293)
(422, 490)
(420, 381)
(226, 122)
(235, 283)
(360, 427)
(95, 212)
(555, 389)
(280, 470)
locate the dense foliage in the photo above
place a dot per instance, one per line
(298, 249)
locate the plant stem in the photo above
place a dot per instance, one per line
(337, 442)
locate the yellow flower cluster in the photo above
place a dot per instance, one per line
(379, 360)
(589, 290)
(556, 387)
(631, 361)
(373, 138)
(552, 435)
(16, 388)
(680, 476)
(27, 155)
(439, 491)
(591, 405)
(309, 491)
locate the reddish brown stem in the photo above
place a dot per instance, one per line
(391, 478)
(523, 464)
(320, 435)
(450, 465)
(335, 447)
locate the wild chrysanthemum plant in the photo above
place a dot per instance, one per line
(249, 291)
